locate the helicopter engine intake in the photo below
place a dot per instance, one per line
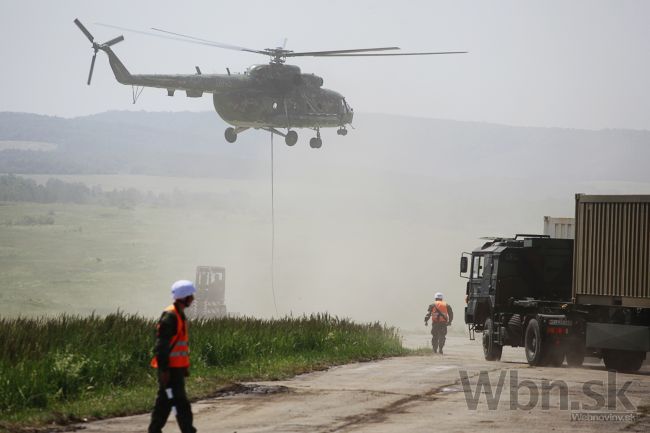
(281, 77)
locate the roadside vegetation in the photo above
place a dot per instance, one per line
(71, 368)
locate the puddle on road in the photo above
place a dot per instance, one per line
(451, 389)
(251, 388)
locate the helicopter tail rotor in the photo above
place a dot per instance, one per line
(92, 68)
(84, 30)
(96, 47)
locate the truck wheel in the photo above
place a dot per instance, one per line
(535, 348)
(623, 360)
(491, 349)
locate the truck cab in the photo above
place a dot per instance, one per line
(523, 268)
(512, 281)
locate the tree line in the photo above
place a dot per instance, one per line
(19, 189)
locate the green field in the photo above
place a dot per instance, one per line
(58, 258)
(341, 246)
(70, 368)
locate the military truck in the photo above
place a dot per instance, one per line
(565, 299)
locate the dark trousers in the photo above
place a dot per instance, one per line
(438, 333)
(164, 405)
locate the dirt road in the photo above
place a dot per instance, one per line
(427, 393)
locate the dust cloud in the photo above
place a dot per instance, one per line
(366, 228)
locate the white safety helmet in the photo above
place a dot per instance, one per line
(182, 289)
(439, 296)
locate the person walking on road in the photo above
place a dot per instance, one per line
(441, 316)
(171, 358)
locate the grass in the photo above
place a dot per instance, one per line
(71, 368)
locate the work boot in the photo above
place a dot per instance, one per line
(441, 350)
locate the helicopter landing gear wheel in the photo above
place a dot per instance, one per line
(291, 138)
(342, 131)
(231, 135)
(316, 142)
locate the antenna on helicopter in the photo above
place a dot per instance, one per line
(96, 46)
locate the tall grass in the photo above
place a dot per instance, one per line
(45, 362)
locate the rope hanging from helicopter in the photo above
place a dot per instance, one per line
(273, 228)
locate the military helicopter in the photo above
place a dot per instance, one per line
(271, 96)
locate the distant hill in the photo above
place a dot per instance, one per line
(174, 144)
(447, 148)
(192, 144)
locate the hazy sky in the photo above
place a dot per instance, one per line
(572, 64)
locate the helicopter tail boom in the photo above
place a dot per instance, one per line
(122, 75)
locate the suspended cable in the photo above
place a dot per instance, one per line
(273, 229)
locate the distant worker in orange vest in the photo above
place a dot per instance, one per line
(441, 316)
(172, 359)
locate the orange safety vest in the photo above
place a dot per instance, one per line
(179, 355)
(441, 314)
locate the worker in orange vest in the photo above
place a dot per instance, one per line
(441, 316)
(172, 359)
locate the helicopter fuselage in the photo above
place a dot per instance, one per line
(297, 108)
(265, 96)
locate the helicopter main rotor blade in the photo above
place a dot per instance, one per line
(189, 38)
(391, 54)
(84, 30)
(92, 67)
(277, 54)
(180, 39)
(334, 52)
